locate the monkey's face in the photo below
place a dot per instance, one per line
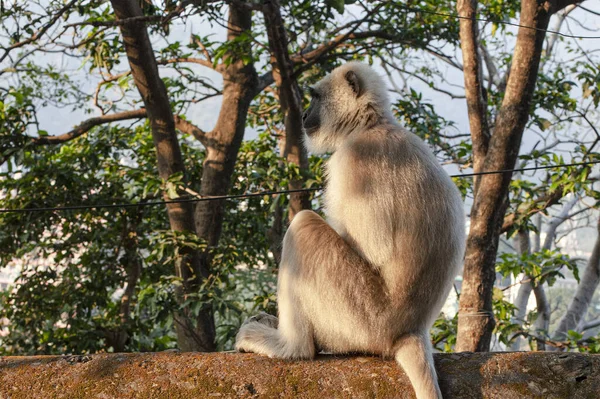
(311, 119)
(344, 102)
(332, 99)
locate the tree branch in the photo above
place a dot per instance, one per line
(554, 37)
(419, 77)
(40, 32)
(311, 57)
(290, 97)
(163, 19)
(86, 125)
(557, 221)
(265, 81)
(560, 4)
(198, 61)
(246, 5)
(537, 206)
(590, 11)
(590, 325)
(189, 128)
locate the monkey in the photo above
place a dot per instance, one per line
(373, 277)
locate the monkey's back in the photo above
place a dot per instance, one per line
(390, 199)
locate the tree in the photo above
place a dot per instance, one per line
(202, 263)
(264, 53)
(476, 324)
(194, 333)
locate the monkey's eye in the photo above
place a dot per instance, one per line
(313, 93)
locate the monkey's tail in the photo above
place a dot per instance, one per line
(414, 354)
(265, 340)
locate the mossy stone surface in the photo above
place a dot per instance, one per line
(234, 375)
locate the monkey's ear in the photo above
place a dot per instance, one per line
(355, 83)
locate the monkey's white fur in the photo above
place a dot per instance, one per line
(375, 276)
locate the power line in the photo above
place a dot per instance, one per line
(457, 16)
(152, 203)
(260, 193)
(526, 169)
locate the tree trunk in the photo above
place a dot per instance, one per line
(521, 303)
(275, 234)
(522, 244)
(291, 101)
(193, 333)
(476, 320)
(240, 83)
(476, 104)
(583, 296)
(542, 323)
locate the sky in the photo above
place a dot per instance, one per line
(204, 114)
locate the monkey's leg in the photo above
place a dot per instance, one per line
(325, 290)
(293, 339)
(414, 354)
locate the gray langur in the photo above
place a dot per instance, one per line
(373, 278)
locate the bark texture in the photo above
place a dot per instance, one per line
(240, 83)
(290, 98)
(583, 296)
(476, 322)
(231, 375)
(193, 332)
(472, 70)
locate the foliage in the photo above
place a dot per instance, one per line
(67, 298)
(544, 266)
(75, 264)
(443, 333)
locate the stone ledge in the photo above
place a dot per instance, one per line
(232, 375)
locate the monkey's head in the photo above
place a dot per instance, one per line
(351, 99)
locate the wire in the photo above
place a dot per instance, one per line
(174, 201)
(260, 193)
(526, 169)
(495, 22)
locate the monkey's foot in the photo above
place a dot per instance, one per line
(256, 333)
(263, 318)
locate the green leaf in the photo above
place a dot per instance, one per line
(494, 28)
(338, 5)
(544, 124)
